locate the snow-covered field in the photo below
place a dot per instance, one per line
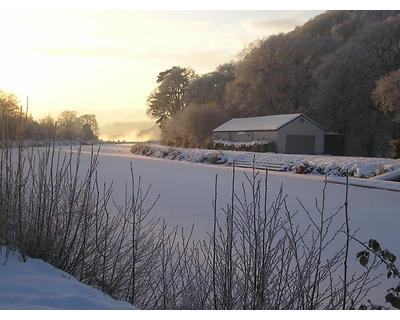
(186, 190)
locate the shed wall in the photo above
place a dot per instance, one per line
(301, 127)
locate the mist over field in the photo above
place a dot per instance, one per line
(130, 131)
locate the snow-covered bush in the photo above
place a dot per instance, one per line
(254, 146)
(141, 148)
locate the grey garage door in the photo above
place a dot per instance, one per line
(300, 144)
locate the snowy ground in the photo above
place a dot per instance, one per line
(186, 191)
(37, 285)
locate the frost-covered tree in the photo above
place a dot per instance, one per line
(68, 125)
(211, 87)
(46, 127)
(275, 75)
(346, 81)
(89, 126)
(9, 114)
(194, 125)
(387, 94)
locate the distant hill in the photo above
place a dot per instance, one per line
(130, 131)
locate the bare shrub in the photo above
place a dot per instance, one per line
(257, 257)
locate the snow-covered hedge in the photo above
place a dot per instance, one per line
(357, 167)
(253, 146)
(180, 154)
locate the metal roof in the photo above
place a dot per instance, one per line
(265, 123)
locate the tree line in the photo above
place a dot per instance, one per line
(341, 69)
(16, 123)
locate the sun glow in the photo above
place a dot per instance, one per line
(109, 60)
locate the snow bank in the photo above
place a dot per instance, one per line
(36, 285)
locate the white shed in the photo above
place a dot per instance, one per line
(292, 133)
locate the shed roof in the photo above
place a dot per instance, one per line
(265, 123)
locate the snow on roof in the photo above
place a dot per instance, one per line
(265, 123)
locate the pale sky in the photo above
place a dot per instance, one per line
(101, 61)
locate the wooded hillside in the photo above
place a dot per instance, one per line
(333, 69)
